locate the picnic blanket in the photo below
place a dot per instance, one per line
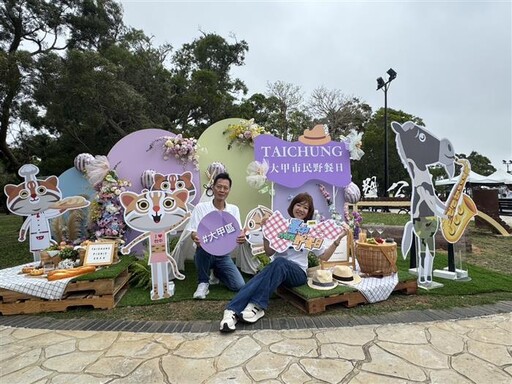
(11, 279)
(377, 289)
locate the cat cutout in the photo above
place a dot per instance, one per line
(155, 214)
(39, 200)
(253, 229)
(174, 181)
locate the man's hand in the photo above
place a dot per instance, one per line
(241, 238)
(195, 238)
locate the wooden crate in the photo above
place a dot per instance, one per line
(348, 299)
(100, 294)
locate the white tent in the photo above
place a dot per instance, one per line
(500, 177)
(473, 178)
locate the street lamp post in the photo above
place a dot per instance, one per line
(384, 85)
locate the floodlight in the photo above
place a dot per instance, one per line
(380, 83)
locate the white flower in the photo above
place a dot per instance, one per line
(257, 174)
(354, 140)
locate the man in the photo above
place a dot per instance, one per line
(223, 266)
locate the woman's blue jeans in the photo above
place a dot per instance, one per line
(223, 267)
(259, 289)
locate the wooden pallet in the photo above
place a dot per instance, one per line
(348, 299)
(100, 294)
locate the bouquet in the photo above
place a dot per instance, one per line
(179, 147)
(353, 219)
(107, 212)
(243, 133)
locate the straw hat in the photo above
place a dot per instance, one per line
(343, 274)
(315, 136)
(322, 280)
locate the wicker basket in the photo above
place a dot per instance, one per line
(376, 259)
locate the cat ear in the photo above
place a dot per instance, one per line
(52, 180)
(9, 189)
(182, 194)
(158, 178)
(187, 176)
(127, 198)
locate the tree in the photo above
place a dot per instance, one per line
(288, 122)
(30, 32)
(339, 112)
(479, 163)
(372, 163)
(205, 91)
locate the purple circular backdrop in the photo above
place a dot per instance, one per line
(220, 230)
(131, 156)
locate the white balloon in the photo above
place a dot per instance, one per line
(147, 178)
(352, 193)
(82, 160)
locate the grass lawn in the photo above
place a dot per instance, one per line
(489, 266)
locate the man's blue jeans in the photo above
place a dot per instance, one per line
(223, 267)
(259, 289)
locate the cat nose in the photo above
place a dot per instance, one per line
(156, 209)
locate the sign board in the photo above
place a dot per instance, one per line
(101, 253)
(218, 232)
(293, 163)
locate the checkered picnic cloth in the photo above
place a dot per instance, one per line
(275, 225)
(327, 229)
(11, 279)
(377, 289)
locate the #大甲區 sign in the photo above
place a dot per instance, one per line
(101, 253)
(217, 233)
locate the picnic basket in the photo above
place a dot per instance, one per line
(376, 259)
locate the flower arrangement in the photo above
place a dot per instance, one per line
(353, 219)
(179, 147)
(243, 133)
(355, 142)
(106, 212)
(257, 177)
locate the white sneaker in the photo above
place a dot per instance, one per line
(214, 280)
(252, 313)
(201, 291)
(228, 322)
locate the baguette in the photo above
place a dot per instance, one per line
(72, 272)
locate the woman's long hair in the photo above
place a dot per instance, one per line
(301, 198)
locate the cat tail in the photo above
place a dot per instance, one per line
(174, 267)
(407, 239)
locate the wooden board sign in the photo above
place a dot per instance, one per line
(100, 253)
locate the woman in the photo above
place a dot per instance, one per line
(288, 268)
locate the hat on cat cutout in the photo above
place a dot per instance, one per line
(315, 136)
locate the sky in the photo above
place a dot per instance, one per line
(453, 58)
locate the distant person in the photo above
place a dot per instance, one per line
(223, 266)
(287, 268)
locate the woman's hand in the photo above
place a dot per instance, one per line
(338, 240)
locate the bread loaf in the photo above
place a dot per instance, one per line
(72, 272)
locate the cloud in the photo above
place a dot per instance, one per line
(453, 59)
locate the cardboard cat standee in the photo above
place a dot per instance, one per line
(156, 213)
(39, 200)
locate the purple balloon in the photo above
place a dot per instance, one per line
(217, 232)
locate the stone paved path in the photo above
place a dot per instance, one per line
(473, 350)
